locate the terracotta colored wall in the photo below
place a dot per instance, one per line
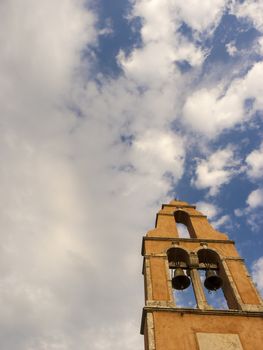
(166, 227)
(175, 331)
(203, 229)
(244, 286)
(199, 228)
(159, 279)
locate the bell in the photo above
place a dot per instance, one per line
(212, 280)
(180, 281)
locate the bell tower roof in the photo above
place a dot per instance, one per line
(183, 213)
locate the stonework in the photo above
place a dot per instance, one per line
(168, 327)
(215, 341)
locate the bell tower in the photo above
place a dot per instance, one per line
(206, 260)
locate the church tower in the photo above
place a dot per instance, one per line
(198, 293)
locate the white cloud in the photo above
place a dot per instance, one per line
(238, 212)
(209, 111)
(222, 221)
(40, 50)
(251, 9)
(201, 16)
(208, 209)
(159, 152)
(215, 171)
(107, 29)
(165, 15)
(255, 163)
(77, 198)
(257, 274)
(231, 49)
(212, 211)
(259, 44)
(153, 64)
(255, 198)
(58, 263)
(252, 212)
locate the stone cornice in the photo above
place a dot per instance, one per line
(179, 206)
(176, 240)
(237, 313)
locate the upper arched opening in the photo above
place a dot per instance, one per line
(183, 224)
(181, 216)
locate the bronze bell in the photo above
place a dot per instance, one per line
(180, 281)
(212, 280)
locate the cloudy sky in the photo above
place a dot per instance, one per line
(108, 109)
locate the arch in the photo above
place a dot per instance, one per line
(211, 259)
(183, 218)
(208, 256)
(178, 254)
(181, 286)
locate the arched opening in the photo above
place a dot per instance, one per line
(210, 271)
(178, 255)
(183, 224)
(183, 292)
(182, 231)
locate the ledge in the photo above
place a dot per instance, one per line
(190, 215)
(172, 214)
(238, 313)
(179, 206)
(194, 240)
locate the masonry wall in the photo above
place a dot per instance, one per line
(178, 331)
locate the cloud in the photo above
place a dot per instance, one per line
(215, 171)
(59, 264)
(217, 113)
(238, 212)
(231, 49)
(253, 169)
(159, 152)
(255, 198)
(222, 108)
(160, 48)
(208, 209)
(250, 9)
(259, 45)
(222, 221)
(255, 163)
(212, 211)
(252, 212)
(78, 196)
(40, 50)
(257, 274)
(201, 16)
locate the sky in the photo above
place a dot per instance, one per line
(110, 108)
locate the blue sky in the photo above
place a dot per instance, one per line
(108, 110)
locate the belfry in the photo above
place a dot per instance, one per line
(207, 260)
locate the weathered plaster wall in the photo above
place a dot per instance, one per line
(175, 331)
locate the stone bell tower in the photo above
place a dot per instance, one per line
(207, 260)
